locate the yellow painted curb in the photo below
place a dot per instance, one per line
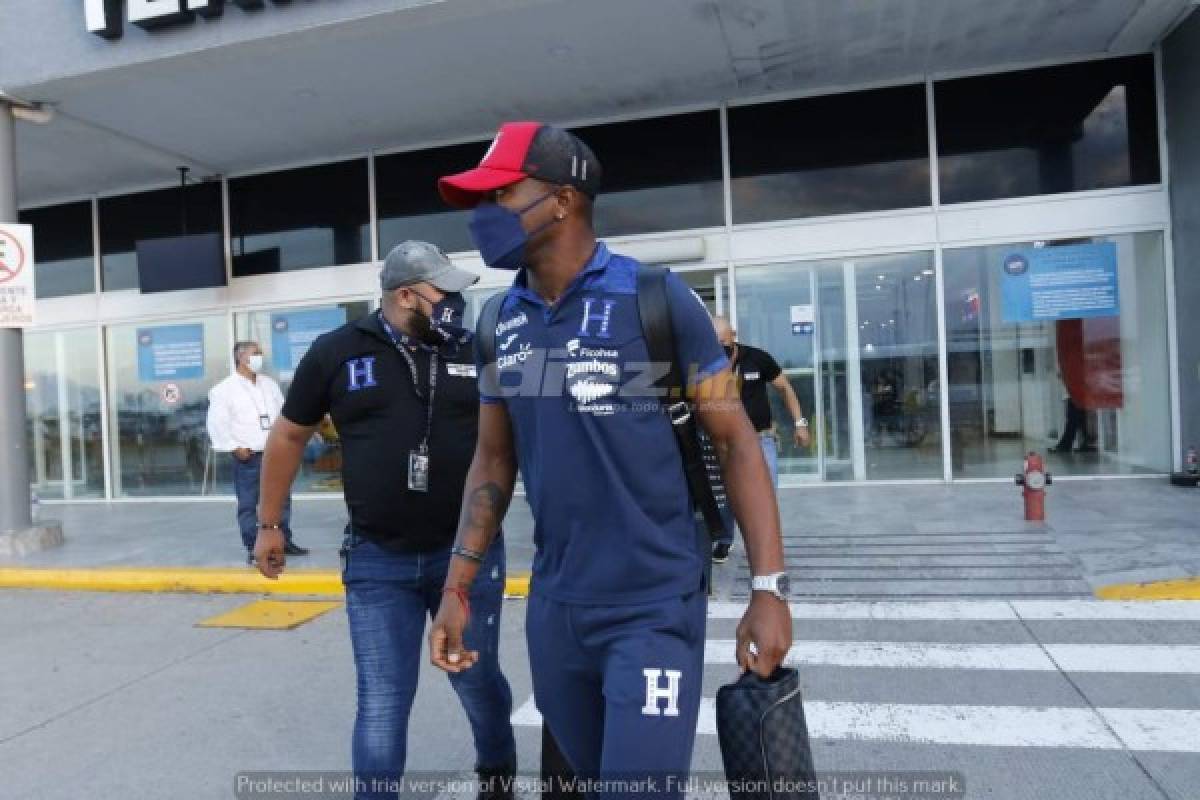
(1179, 589)
(517, 585)
(206, 580)
(270, 615)
(202, 580)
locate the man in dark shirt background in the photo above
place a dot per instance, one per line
(400, 385)
(754, 369)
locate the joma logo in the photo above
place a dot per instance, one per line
(104, 17)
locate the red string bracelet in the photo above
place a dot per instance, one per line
(463, 597)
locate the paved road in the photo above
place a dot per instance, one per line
(120, 696)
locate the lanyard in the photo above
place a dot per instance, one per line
(416, 381)
(253, 401)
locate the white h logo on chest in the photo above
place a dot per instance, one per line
(655, 692)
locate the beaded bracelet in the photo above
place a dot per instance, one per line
(468, 553)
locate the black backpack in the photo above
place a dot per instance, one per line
(655, 313)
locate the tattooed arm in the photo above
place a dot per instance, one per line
(486, 496)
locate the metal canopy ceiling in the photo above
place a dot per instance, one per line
(452, 69)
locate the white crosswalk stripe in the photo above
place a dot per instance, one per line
(1169, 659)
(1168, 730)
(1162, 730)
(984, 610)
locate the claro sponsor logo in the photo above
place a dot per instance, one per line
(106, 17)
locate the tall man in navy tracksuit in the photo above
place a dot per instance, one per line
(616, 616)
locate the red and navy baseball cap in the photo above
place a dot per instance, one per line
(525, 150)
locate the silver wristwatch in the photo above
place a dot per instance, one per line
(777, 584)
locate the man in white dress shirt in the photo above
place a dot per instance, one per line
(241, 410)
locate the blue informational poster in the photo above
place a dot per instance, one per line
(293, 332)
(170, 352)
(1050, 283)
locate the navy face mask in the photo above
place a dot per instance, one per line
(446, 312)
(449, 310)
(499, 235)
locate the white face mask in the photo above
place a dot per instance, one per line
(255, 362)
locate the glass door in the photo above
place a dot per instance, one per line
(857, 340)
(62, 392)
(777, 313)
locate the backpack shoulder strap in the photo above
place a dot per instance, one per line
(485, 327)
(655, 312)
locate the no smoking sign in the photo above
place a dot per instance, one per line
(12, 256)
(17, 297)
(171, 394)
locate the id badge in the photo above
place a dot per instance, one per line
(264, 422)
(418, 470)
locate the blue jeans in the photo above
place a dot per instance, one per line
(388, 596)
(245, 485)
(770, 450)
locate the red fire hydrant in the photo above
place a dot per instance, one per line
(1035, 479)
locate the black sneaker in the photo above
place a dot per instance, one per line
(721, 553)
(293, 549)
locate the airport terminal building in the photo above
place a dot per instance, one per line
(958, 227)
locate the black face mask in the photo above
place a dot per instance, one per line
(447, 311)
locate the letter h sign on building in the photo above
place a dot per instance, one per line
(104, 17)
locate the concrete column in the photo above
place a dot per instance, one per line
(14, 462)
(17, 533)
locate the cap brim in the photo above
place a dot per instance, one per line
(453, 279)
(466, 189)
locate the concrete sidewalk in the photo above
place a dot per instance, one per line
(919, 542)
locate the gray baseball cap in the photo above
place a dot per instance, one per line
(416, 262)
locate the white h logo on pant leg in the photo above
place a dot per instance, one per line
(654, 692)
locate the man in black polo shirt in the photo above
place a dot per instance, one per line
(400, 386)
(754, 369)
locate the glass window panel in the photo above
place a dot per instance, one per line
(285, 335)
(865, 371)
(711, 286)
(128, 219)
(62, 400)
(63, 249)
(1095, 389)
(160, 374)
(300, 219)
(839, 154)
(661, 174)
(407, 198)
(1057, 129)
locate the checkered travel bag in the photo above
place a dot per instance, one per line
(764, 739)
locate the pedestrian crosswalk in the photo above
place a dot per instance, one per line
(1107, 662)
(1161, 730)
